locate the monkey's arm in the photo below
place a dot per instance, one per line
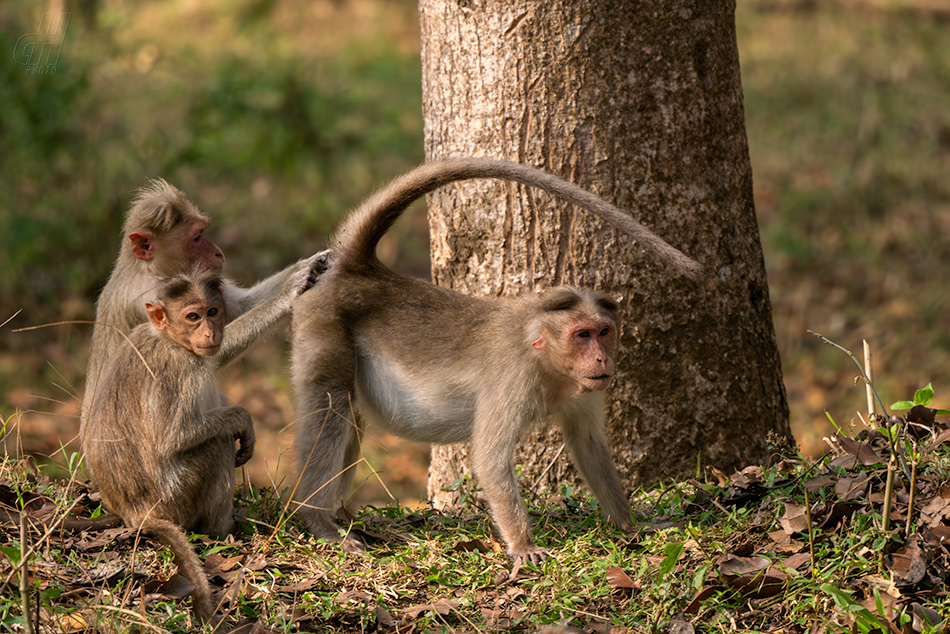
(233, 421)
(237, 421)
(583, 423)
(243, 432)
(240, 300)
(244, 330)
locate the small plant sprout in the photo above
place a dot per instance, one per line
(924, 397)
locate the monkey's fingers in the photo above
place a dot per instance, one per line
(534, 555)
(245, 452)
(314, 266)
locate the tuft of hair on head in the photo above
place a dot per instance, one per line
(159, 207)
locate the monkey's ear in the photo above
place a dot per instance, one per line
(156, 315)
(540, 343)
(143, 242)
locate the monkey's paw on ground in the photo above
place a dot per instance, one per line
(535, 555)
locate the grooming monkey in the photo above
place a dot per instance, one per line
(157, 441)
(166, 236)
(433, 365)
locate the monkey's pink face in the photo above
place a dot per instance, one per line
(181, 249)
(590, 346)
(197, 326)
(582, 352)
(197, 249)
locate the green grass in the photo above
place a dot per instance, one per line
(715, 554)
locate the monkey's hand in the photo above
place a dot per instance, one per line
(313, 267)
(245, 438)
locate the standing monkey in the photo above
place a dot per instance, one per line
(157, 441)
(433, 365)
(166, 236)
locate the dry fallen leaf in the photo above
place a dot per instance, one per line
(908, 563)
(704, 593)
(251, 626)
(617, 578)
(853, 487)
(862, 451)
(216, 564)
(813, 484)
(440, 606)
(353, 595)
(679, 626)
(795, 519)
(473, 546)
(719, 475)
(752, 577)
(796, 561)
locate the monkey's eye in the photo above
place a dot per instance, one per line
(192, 316)
(212, 312)
(584, 333)
(605, 332)
(198, 238)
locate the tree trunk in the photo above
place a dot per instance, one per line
(641, 103)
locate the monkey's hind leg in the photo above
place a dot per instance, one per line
(325, 434)
(323, 444)
(211, 497)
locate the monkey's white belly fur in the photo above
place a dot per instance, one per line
(391, 398)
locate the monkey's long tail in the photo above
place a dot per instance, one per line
(187, 561)
(355, 241)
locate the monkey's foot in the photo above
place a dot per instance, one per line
(532, 554)
(352, 545)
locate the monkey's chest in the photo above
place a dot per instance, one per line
(420, 405)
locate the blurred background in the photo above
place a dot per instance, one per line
(277, 117)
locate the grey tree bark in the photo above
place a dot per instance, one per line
(641, 103)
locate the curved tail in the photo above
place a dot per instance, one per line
(187, 561)
(355, 241)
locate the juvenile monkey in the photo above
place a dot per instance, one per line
(157, 441)
(163, 235)
(433, 365)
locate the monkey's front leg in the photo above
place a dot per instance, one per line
(584, 426)
(492, 453)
